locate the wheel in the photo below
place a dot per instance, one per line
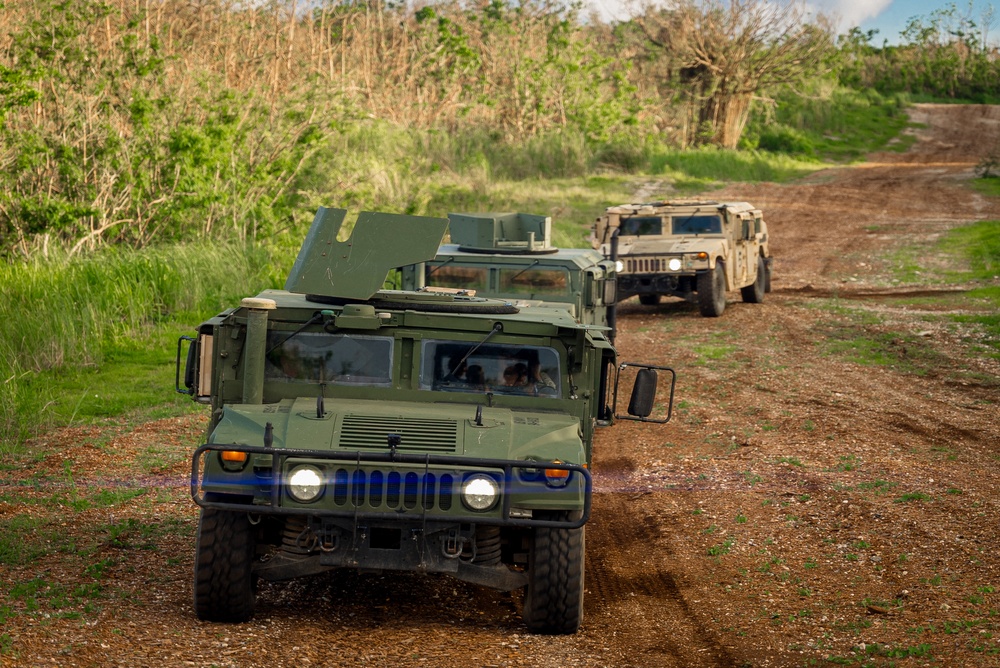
(754, 293)
(649, 300)
(223, 578)
(711, 290)
(553, 599)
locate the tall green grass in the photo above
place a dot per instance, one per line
(60, 315)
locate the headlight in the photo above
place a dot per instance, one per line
(619, 266)
(674, 264)
(305, 484)
(480, 492)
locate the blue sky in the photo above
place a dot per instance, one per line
(888, 16)
(891, 17)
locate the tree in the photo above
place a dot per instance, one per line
(723, 54)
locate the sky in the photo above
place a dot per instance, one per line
(889, 17)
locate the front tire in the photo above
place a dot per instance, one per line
(223, 575)
(553, 599)
(754, 293)
(711, 290)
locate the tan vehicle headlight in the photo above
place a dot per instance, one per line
(674, 264)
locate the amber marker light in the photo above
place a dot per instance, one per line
(556, 477)
(234, 456)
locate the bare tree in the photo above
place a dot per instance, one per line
(723, 54)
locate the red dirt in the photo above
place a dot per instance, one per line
(800, 509)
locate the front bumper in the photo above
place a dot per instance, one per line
(391, 488)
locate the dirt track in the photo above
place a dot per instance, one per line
(800, 507)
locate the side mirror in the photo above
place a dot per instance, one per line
(610, 291)
(190, 366)
(644, 393)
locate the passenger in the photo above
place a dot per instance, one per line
(541, 379)
(457, 369)
(516, 375)
(475, 377)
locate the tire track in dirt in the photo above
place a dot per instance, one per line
(633, 593)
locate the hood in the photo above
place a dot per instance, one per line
(439, 428)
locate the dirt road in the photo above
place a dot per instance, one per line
(802, 508)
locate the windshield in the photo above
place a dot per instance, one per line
(696, 224)
(337, 359)
(534, 281)
(641, 225)
(503, 369)
(443, 275)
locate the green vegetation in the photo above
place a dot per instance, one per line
(979, 245)
(93, 336)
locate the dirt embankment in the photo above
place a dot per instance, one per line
(801, 508)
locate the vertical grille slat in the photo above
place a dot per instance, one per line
(393, 490)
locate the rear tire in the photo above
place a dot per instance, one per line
(754, 293)
(649, 300)
(223, 575)
(711, 290)
(553, 599)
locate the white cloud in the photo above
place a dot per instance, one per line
(850, 13)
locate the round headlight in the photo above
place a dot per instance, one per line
(619, 266)
(305, 483)
(480, 492)
(674, 264)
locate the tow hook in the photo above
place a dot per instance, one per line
(452, 546)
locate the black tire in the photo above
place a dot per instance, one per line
(767, 276)
(223, 575)
(649, 300)
(754, 293)
(553, 599)
(711, 290)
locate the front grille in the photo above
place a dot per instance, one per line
(645, 265)
(393, 490)
(423, 434)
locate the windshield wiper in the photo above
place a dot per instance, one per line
(511, 279)
(434, 270)
(311, 321)
(497, 327)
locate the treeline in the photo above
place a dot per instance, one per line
(946, 54)
(141, 121)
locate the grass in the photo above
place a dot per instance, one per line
(86, 338)
(832, 124)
